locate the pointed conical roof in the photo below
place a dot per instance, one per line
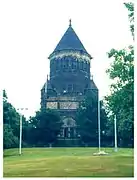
(70, 41)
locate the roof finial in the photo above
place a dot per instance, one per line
(70, 23)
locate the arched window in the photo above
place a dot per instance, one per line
(78, 64)
(53, 65)
(74, 64)
(67, 63)
(82, 64)
(57, 64)
(61, 63)
(88, 64)
(85, 65)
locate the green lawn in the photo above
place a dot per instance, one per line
(68, 162)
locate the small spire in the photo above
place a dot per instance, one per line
(47, 77)
(70, 23)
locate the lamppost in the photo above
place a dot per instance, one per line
(20, 137)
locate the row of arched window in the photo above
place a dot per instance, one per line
(69, 63)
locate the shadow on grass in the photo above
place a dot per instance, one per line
(10, 155)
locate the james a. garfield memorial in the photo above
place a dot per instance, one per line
(69, 81)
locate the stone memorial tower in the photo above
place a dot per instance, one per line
(69, 81)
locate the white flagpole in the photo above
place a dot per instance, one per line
(20, 137)
(115, 127)
(98, 123)
(20, 142)
(99, 130)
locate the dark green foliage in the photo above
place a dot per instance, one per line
(11, 120)
(9, 141)
(122, 68)
(87, 119)
(10, 115)
(121, 100)
(39, 130)
(4, 95)
(130, 7)
(45, 127)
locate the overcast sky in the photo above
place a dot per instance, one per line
(30, 30)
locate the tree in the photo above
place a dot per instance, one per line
(9, 140)
(130, 7)
(4, 95)
(87, 119)
(45, 127)
(11, 123)
(10, 115)
(121, 100)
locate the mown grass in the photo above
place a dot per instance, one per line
(68, 162)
